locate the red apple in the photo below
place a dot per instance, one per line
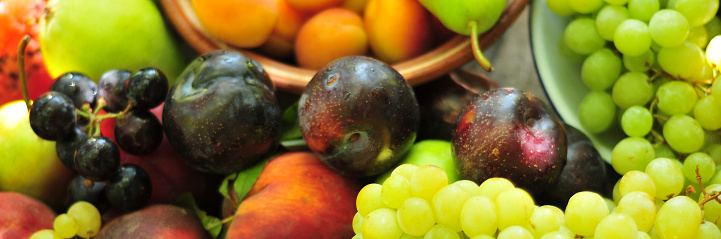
(156, 221)
(21, 216)
(512, 134)
(297, 196)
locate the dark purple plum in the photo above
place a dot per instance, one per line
(359, 115)
(512, 134)
(222, 114)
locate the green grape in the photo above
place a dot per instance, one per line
(683, 61)
(357, 236)
(560, 7)
(636, 181)
(546, 219)
(46, 234)
(640, 207)
(712, 209)
(610, 204)
(601, 69)
(415, 216)
(406, 170)
(584, 211)
(704, 162)
(615, 193)
(698, 12)
(440, 231)
(555, 235)
(632, 88)
(664, 151)
(636, 121)
(632, 153)
(395, 190)
(65, 226)
(713, 149)
(514, 207)
(641, 63)
(357, 223)
(493, 186)
(698, 36)
(88, 218)
(427, 180)
(407, 236)
(469, 186)
(706, 73)
(712, 137)
(683, 134)
(616, 226)
(447, 205)
(668, 28)
(707, 230)
(381, 223)
(657, 83)
(642, 235)
(708, 112)
(713, 28)
(581, 36)
(643, 9)
(478, 216)
(616, 2)
(608, 18)
(515, 232)
(585, 6)
(597, 111)
(679, 217)
(483, 237)
(676, 97)
(632, 37)
(667, 177)
(369, 199)
(713, 54)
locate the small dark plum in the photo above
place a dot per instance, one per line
(222, 114)
(585, 170)
(79, 87)
(359, 115)
(512, 134)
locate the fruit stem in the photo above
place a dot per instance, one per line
(21, 70)
(485, 64)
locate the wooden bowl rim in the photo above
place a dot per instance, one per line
(437, 62)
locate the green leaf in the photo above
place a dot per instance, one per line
(212, 224)
(290, 129)
(246, 179)
(224, 187)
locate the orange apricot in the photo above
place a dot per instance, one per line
(329, 35)
(280, 43)
(242, 23)
(397, 29)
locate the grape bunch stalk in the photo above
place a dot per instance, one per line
(70, 114)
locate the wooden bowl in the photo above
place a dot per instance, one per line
(292, 79)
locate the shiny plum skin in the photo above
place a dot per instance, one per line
(222, 114)
(508, 133)
(359, 115)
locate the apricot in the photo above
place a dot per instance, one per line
(281, 42)
(354, 5)
(242, 23)
(397, 30)
(313, 6)
(329, 35)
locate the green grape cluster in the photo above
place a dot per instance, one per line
(651, 67)
(82, 220)
(420, 202)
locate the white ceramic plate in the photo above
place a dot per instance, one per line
(561, 75)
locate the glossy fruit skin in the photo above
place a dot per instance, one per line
(81, 189)
(23, 215)
(81, 89)
(53, 116)
(97, 158)
(222, 115)
(508, 133)
(65, 147)
(159, 221)
(130, 188)
(139, 132)
(585, 170)
(147, 88)
(359, 115)
(111, 88)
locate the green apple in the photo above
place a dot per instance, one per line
(29, 164)
(96, 36)
(430, 152)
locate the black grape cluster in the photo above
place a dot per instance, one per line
(69, 114)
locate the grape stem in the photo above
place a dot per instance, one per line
(477, 53)
(95, 119)
(658, 137)
(21, 70)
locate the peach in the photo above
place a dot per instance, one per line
(397, 30)
(242, 23)
(313, 6)
(329, 35)
(156, 221)
(280, 43)
(21, 215)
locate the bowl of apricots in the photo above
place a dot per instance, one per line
(292, 39)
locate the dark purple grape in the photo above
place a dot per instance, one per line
(65, 147)
(147, 88)
(82, 189)
(111, 88)
(78, 87)
(97, 158)
(53, 116)
(139, 132)
(130, 188)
